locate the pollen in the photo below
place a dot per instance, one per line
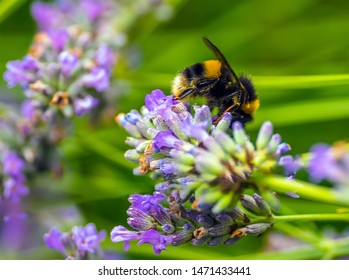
(212, 68)
(251, 107)
(60, 99)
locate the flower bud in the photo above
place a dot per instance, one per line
(203, 115)
(263, 205)
(274, 143)
(237, 214)
(132, 155)
(215, 241)
(225, 219)
(225, 122)
(255, 229)
(250, 204)
(200, 241)
(168, 228)
(140, 224)
(218, 230)
(264, 135)
(239, 134)
(232, 241)
(181, 237)
(205, 220)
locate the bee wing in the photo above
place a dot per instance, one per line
(222, 59)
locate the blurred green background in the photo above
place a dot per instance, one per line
(297, 52)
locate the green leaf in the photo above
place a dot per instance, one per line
(7, 7)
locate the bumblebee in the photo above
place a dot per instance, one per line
(221, 87)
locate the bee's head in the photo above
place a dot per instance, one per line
(196, 80)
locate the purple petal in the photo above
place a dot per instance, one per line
(155, 99)
(21, 72)
(53, 240)
(145, 202)
(46, 15)
(164, 139)
(59, 38)
(154, 238)
(290, 164)
(69, 62)
(94, 8)
(12, 164)
(98, 78)
(14, 189)
(28, 109)
(105, 57)
(87, 238)
(84, 105)
(121, 234)
(322, 164)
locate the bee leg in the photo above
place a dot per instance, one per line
(230, 109)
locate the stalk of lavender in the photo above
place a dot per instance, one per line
(162, 221)
(66, 73)
(205, 165)
(215, 162)
(206, 172)
(81, 243)
(180, 144)
(178, 224)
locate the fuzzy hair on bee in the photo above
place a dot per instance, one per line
(221, 87)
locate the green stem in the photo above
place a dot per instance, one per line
(302, 217)
(338, 248)
(304, 189)
(299, 233)
(312, 217)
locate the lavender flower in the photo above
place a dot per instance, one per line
(80, 243)
(54, 241)
(14, 183)
(84, 105)
(151, 236)
(12, 165)
(329, 163)
(179, 224)
(66, 78)
(98, 78)
(68, 61)
(192, 154)
(64, 13)
(15, 188)
(22, 72)
(87, 238)
(291, 165)
(65, 73)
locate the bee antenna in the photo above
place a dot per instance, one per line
(221, 57)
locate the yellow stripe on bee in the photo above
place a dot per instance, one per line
(251, 107)
(179, 83)
(212, 68)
